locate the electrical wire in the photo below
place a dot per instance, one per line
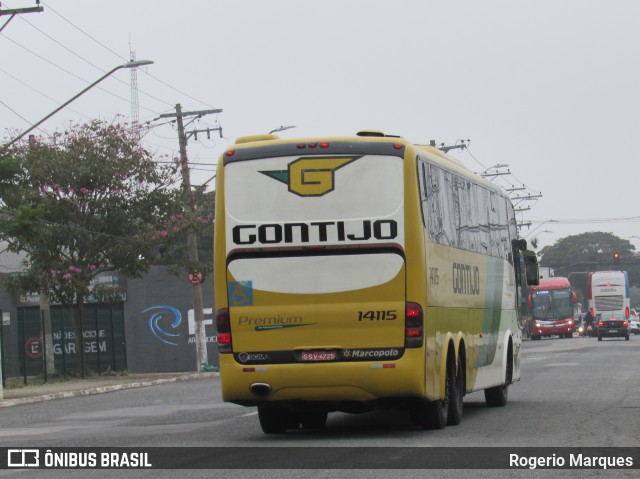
(90, 63)
(121, 57)
(23, 83)
(65, 70)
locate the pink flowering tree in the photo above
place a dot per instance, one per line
(87, 200)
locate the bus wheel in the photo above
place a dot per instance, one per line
(430, 415)
(455, 392)
(436, 414)
(313, 419)
(276, 420)
(497, 396)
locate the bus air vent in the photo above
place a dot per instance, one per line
(252, 138)
(370, 133)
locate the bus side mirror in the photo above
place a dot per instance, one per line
(531, 268)
(574, 297)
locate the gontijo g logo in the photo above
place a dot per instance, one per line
(311, 176)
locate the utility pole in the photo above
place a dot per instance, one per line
(192, 240)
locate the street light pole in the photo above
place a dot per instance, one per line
(539, 226)
(281, 128)
(132, 64)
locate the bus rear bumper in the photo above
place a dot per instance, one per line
(322, 382)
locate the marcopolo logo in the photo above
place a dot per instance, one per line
(311, 176)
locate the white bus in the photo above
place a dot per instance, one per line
(609, 292)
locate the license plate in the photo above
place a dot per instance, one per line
(318, 355)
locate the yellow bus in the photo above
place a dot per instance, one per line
(361, 273)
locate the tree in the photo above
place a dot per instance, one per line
(90, 199)
(589, 252)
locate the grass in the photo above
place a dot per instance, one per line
(18, 382)
(15, 383)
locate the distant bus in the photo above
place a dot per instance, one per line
(608, 291)
(552, 304)
(360, 273)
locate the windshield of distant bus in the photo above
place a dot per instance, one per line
(552, 304)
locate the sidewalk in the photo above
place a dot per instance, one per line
(93, 385)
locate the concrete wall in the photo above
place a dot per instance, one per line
(158, 312)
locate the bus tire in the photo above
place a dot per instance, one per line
(436, 414)
(455, 393)
(276, 420)
(430, 414)
(498, 396)
(313, 419)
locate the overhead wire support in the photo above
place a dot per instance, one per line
(199, 113)
(528, 197)
(208, 131)
(18, 11)
(495, 174)
(446, 148)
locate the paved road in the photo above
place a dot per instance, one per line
(573, 392)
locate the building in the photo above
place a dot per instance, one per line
(151, 330)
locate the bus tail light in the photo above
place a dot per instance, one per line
(223, 326)
(414, 326)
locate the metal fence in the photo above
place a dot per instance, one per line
(93, 346)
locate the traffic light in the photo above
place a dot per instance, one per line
(616, 257)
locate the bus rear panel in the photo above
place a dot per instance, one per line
(315, 275)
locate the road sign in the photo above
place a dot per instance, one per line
(195, 278)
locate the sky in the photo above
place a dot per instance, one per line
(547, 87)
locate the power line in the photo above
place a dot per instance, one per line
(66, 71)
(23, 83)
(91, 63)
(123, 58)
(629, 219)
(15, 112)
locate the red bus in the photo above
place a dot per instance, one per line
(551, 303)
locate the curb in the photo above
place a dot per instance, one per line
(101, 389)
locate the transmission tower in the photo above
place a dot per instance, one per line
(135, 103)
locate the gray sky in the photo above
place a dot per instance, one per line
(549, 87)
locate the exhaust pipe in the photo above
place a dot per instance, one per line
(260, 389)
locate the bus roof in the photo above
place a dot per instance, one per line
(558, 282)
(260, 145)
